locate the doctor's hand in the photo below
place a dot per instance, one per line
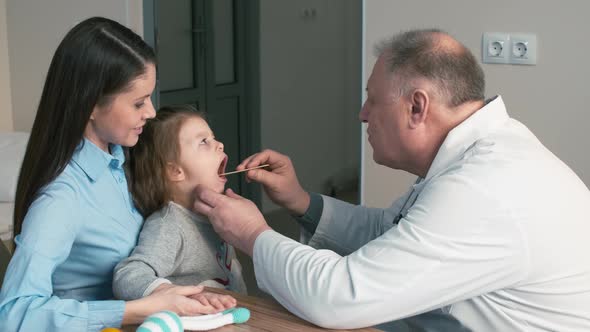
(279, 180)
(236, 219)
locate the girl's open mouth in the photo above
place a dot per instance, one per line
(221, 168)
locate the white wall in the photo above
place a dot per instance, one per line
(309, 72)
(35, 28)
(307, 84)
(550, 98)
(5, 99)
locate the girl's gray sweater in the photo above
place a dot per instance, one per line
(181, 247)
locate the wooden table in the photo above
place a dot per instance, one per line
(268, 315)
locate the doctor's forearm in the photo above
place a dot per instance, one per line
(312, 284)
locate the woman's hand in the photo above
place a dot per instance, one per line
(218, 301)
(179, 299)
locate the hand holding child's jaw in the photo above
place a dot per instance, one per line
(236, 219)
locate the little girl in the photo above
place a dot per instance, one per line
(176, 152)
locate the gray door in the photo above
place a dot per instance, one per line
(202, 56)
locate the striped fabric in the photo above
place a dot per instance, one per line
(163, 321)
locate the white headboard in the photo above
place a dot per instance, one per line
(12, 150)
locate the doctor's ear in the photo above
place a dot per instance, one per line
(174, 172)
(420, 102)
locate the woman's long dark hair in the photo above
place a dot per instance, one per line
(96, 60)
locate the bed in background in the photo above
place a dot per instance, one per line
(12, 150)
(6, 210)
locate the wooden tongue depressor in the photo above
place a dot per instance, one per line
(244, 170)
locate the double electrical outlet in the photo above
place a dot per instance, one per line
(518, 49)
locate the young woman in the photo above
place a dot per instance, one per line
(74, 217)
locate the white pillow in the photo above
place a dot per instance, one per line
(6, 210)
(12, 151)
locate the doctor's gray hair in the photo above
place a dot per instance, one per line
(434, 55)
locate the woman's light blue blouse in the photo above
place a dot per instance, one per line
(75, 232)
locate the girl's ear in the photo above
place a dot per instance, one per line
(174, 172)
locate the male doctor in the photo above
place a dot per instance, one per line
(495, 231)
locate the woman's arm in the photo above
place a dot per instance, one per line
(184, 300)
(27, 302)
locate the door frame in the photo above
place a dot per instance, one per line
(252, 86)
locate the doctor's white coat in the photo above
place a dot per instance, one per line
(497, 234)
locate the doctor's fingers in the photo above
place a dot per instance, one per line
(267, 156)
(208, 197)
(202, 208)
(232, 216)
(266, 178)
(207, 200)
(230, 193)
(246, 161)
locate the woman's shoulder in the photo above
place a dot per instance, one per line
(56, 204)
(54, 211)
(67, 183)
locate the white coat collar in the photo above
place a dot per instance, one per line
(460, 138)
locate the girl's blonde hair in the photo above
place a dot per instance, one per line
(157, 146)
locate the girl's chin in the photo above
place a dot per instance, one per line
(220, 189)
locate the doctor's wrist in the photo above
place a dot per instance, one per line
(300, 204)
(251, 241)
